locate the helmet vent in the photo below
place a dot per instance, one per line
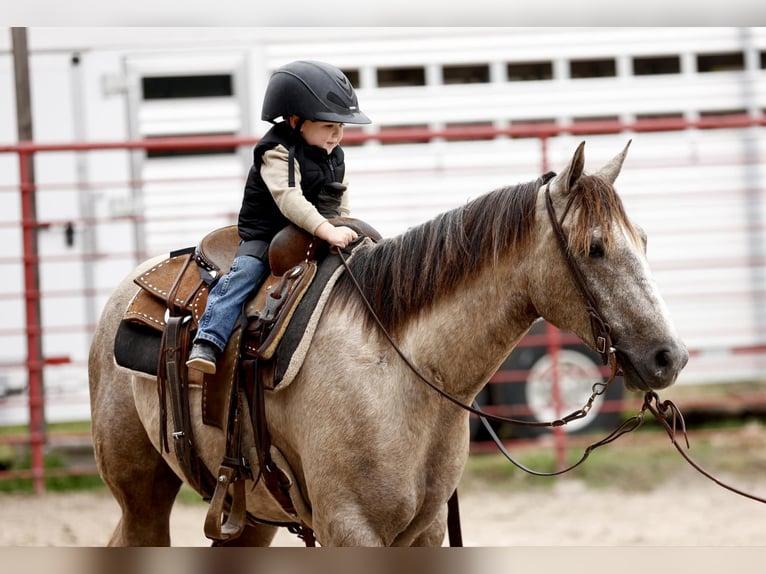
(334, 98)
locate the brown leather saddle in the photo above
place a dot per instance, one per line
(178, 286)
(171, 300)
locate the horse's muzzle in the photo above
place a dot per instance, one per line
(655, 368)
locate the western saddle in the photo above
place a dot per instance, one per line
(171, 300)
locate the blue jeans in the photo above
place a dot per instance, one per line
(225, 300)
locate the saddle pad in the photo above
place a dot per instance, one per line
(137, 347)
(295, 342)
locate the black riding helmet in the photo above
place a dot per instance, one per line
(313, 91)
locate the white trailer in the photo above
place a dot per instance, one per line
(699, 193)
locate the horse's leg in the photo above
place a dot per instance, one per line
(145, 519)
(255, 535)
(140, 480)
(434, 534)
(351, 530)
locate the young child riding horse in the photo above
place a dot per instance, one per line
(298, 175)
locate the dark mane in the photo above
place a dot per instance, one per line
(405, 274)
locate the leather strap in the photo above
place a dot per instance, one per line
(173, 305)
(660, 410)
(172, 375)
(600, 328)
(275, 480)
(597, 389)
(227, 515)
(230, 480)
(453, 522)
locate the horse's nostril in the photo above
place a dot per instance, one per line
(663, 358)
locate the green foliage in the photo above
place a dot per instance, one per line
(52, 483)
(17, 458)
(187, 496)
(7, 456)
(52, 428)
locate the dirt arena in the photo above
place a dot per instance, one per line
(687, 510)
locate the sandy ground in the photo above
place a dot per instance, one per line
(686, 511)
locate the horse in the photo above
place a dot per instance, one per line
(374, 453)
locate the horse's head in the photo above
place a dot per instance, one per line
(609, 253)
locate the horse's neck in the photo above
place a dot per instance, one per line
(467, 334)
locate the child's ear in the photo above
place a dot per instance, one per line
(292, 121)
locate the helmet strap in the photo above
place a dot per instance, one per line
(291, 153)
(291, 166)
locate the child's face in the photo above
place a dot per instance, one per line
(326, 135)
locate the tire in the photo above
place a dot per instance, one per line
(579, 370)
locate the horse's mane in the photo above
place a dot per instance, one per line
(405, 273)
(402, 275)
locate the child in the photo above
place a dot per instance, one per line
(298, 176)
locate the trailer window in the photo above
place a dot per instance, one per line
(171, 87)
(529, 71)
(725, 62)
(353, 77)
(400, 77)
(602, 68)
(656, 65)
(476, 74)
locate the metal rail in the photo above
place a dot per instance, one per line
(29, 224)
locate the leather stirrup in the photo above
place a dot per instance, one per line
(217, 527)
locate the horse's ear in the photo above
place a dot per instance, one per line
(568, 177)
(612, 169)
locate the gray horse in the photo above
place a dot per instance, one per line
(374, 454)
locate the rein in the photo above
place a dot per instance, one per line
(660, 410)
(598, 388)
(601, 330)
(601, 335)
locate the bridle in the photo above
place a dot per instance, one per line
(599, 327)
(601, 331)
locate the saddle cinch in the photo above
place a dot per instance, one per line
(171, 302)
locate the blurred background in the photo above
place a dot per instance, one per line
(117, 144)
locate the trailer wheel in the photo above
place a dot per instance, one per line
(579, 369)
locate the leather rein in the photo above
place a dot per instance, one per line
(661, 410)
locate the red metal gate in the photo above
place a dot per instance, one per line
(35, 363)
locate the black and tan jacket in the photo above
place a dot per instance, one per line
(275, 195)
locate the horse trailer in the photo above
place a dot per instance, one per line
(456, 112)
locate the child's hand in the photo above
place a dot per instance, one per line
(336, 236)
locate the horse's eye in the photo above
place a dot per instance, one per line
(596, 249)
